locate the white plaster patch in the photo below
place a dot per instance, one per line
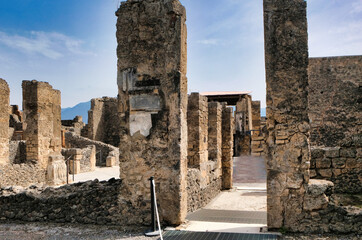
(140, 122)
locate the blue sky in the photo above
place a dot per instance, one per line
(71, 44)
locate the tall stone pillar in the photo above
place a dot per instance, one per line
(286, 63)
(42, 111)
(152, 98)
(4, 121)
(255, 108)
(227, 147)
(197, 124)
(215, 134)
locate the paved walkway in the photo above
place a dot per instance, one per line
(239, 210)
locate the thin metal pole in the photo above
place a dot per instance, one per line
(152, 205)
(67, 161)
(73, 168)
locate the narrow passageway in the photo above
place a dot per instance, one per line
(241, 209)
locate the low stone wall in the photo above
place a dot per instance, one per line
(87, 157)
(17, 152)
(103, 150)
(323, 211)
(197, 196)
(91, 202)
(342, 166)
(22, 175)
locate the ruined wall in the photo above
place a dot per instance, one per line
(103, 121)
(286, 63)
(91, 202)
(227, 147)
(23, 175)
(255, 109)
(4, 121)
(243, 125)
(294, 201)
(334, 100)
(204, 173)
(197, 125)
(215, 134)
(103, 150)
(42, 109)
(17, 152)
(152, 85)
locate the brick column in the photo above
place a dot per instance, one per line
(4, 121)
(286, 63)
(227, 147)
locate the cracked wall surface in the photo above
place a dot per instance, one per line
(4, 121)
(286, 64)
(152, 89)
(334, 101)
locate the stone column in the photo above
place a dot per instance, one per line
(42, 111)
(227, 147)
(242, 139)
(4, 121)
(255, 107)
(286, 63)
(197, 124)
(215, 134)
(152, 98)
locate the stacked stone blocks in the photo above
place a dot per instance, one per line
(152, 105)
(4, 121)
(227, 147)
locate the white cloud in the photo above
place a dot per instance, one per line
(209, 41)
(52, 45)
(357, 7)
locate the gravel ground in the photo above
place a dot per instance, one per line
(30, 231)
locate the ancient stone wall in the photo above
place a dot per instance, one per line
(199, 195)
(42, 109)
(4, 121)
(103, 121)
(76, 125)
(22, 175)
(255, 109)
(152, 85)
(286, 64)
(243, 125)
(91, 202)
(197, 125)
(215, 134)
(227, 147)
(334, 100)
(338, 164)
(204, 175)
(17, 152)
(103, 150)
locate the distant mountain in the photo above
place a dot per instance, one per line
(263, 112)
(81, 109)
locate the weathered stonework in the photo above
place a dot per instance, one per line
(152, 97)
(42, 109)
(197, 124)
(4, 121)
(243, 126)
(334, 112)
(286, 64)
(22, 175)
(227, 147)
(255, 109)
(215, 133)
(103, 121)
(17, 152)
(103, 150)
(91, 202)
